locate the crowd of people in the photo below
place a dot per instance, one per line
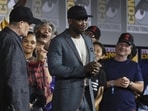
(41, 71)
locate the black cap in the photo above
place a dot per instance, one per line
(95, 30)
(21, 13)
(77, 12)
(126, 37)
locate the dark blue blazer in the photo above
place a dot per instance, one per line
(65, 64)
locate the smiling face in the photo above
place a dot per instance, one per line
(99, 50)
(123, 49)
(44, 33)
(29, 43)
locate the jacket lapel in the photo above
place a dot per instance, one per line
(71, 44)
(89, 46)
(88, 43)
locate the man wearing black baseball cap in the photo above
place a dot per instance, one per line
(128, 38)
(94, 32)
(69, 62)
(23, 14)
(14, 94)
(124, 78)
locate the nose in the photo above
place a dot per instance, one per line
(31, 27)
(95, 52)
(28, 44)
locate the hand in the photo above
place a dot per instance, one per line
(42, 54)
(96, 67)
(38, 98)
(122, 82)
(125, 82)
(95, 85)
(40, 101)
(92, 68)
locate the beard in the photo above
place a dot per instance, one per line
(77, 30)
(41, 35)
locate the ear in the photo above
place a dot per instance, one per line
(69, 21)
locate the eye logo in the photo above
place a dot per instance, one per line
(141, 9)
(112, 8)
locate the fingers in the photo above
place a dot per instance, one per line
(92, 68)
(124, 82)
(95, 67)
(42, 54)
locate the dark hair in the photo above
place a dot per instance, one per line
(102, 46)
(29, 33)
(133, 52)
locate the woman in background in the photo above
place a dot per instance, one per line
(38, 75)
(99, 80)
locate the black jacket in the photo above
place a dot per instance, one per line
(14, 86)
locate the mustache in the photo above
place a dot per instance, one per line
(40, 35)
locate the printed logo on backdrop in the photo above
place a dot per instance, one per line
(110, 52)
(47, 9)
(137, 16)
(109, 15)
(144, 53)
(3, 7)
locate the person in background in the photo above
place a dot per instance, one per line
(39, 79)
(69, 62)
(44, 33)
(142, 100)
(14, 94)
(133, 52)
(99, 80)
(94, 32)
(124, 78)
